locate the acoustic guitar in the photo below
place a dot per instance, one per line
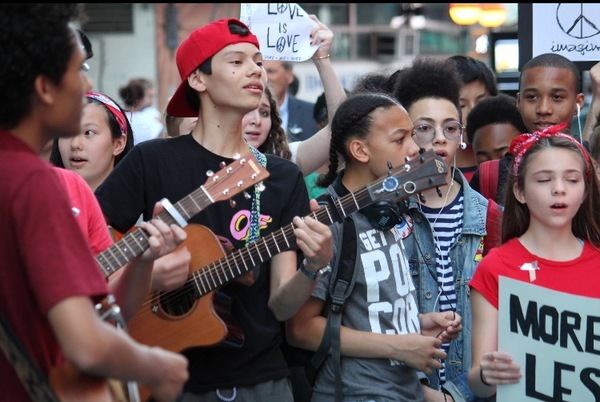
(73, 386)
(196, 315)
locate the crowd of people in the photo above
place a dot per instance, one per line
(421, 319)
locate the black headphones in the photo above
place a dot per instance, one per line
(382, 215)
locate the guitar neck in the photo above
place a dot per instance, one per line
(243, 260)
(135, 243)
(232, 179)
(426, 171)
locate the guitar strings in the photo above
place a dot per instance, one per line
(135, 243)
(209, 275)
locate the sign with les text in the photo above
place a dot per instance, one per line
(283, 30)
(554, 337)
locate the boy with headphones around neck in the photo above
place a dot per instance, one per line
(445, 239)
(382, 334)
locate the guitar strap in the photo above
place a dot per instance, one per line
(34, 382)
(254, 229)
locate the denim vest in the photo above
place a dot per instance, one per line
(465, 255)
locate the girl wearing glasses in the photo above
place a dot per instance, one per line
(444, 231)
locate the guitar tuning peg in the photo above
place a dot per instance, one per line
(222, 164)
(246, 195)
(422, 198)
(438, 191)
(236, 156)
(260, 187)
(232, 203)
(210, 173)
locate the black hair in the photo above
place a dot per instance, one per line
(320, 113)
(35, 39)
(381, 81)
(471, 69)
(115, 131)
(87, 45)
(134, 91)
(553, 60)
(353, 119)
(206, 67)
(494, 109)
(294, 86)
(428, 78)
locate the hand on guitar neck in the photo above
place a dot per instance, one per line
(197, 315)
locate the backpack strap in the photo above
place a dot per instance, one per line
(493, 226)
(341, 285)
(488, 178)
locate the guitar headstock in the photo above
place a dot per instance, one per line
(425, 171)
(236, 177)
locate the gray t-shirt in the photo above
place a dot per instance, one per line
(383, 301)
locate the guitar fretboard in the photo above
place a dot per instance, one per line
(227, 182)
(135, 243)
(431, 172)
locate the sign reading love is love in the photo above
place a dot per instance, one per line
(283, 30)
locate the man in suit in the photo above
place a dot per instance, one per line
(296, 114)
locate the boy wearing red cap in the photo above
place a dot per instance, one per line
(221, 68)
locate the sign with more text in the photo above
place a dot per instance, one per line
(283, 30)
(554, 337)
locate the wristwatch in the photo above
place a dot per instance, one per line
(315, 275)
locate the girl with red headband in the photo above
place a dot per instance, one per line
(106, 138)
(550, 226)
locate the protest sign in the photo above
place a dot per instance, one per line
(283, 30)
(554, 337)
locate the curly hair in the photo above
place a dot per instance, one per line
(381, 81)
(276, 142)
(35, 40)
(428, 77)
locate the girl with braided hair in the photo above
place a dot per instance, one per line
(384, 340)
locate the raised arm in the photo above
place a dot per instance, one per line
(592, 116)
(313, 152)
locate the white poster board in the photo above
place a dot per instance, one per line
(554, 337)
(571, 30)
(283, 30)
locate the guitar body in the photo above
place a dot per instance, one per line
(178, 319)
(71, 385)
(198, 315)
(176, 322)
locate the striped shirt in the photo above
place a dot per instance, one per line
(446, 225)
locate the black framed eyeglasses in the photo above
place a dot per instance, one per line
(425, 132)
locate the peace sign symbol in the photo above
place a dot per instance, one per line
(580, 21)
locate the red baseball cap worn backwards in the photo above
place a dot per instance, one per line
(202, 44)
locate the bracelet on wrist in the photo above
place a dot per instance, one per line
(322, 57)
(482, 380)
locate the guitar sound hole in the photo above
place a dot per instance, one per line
(177, 302)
